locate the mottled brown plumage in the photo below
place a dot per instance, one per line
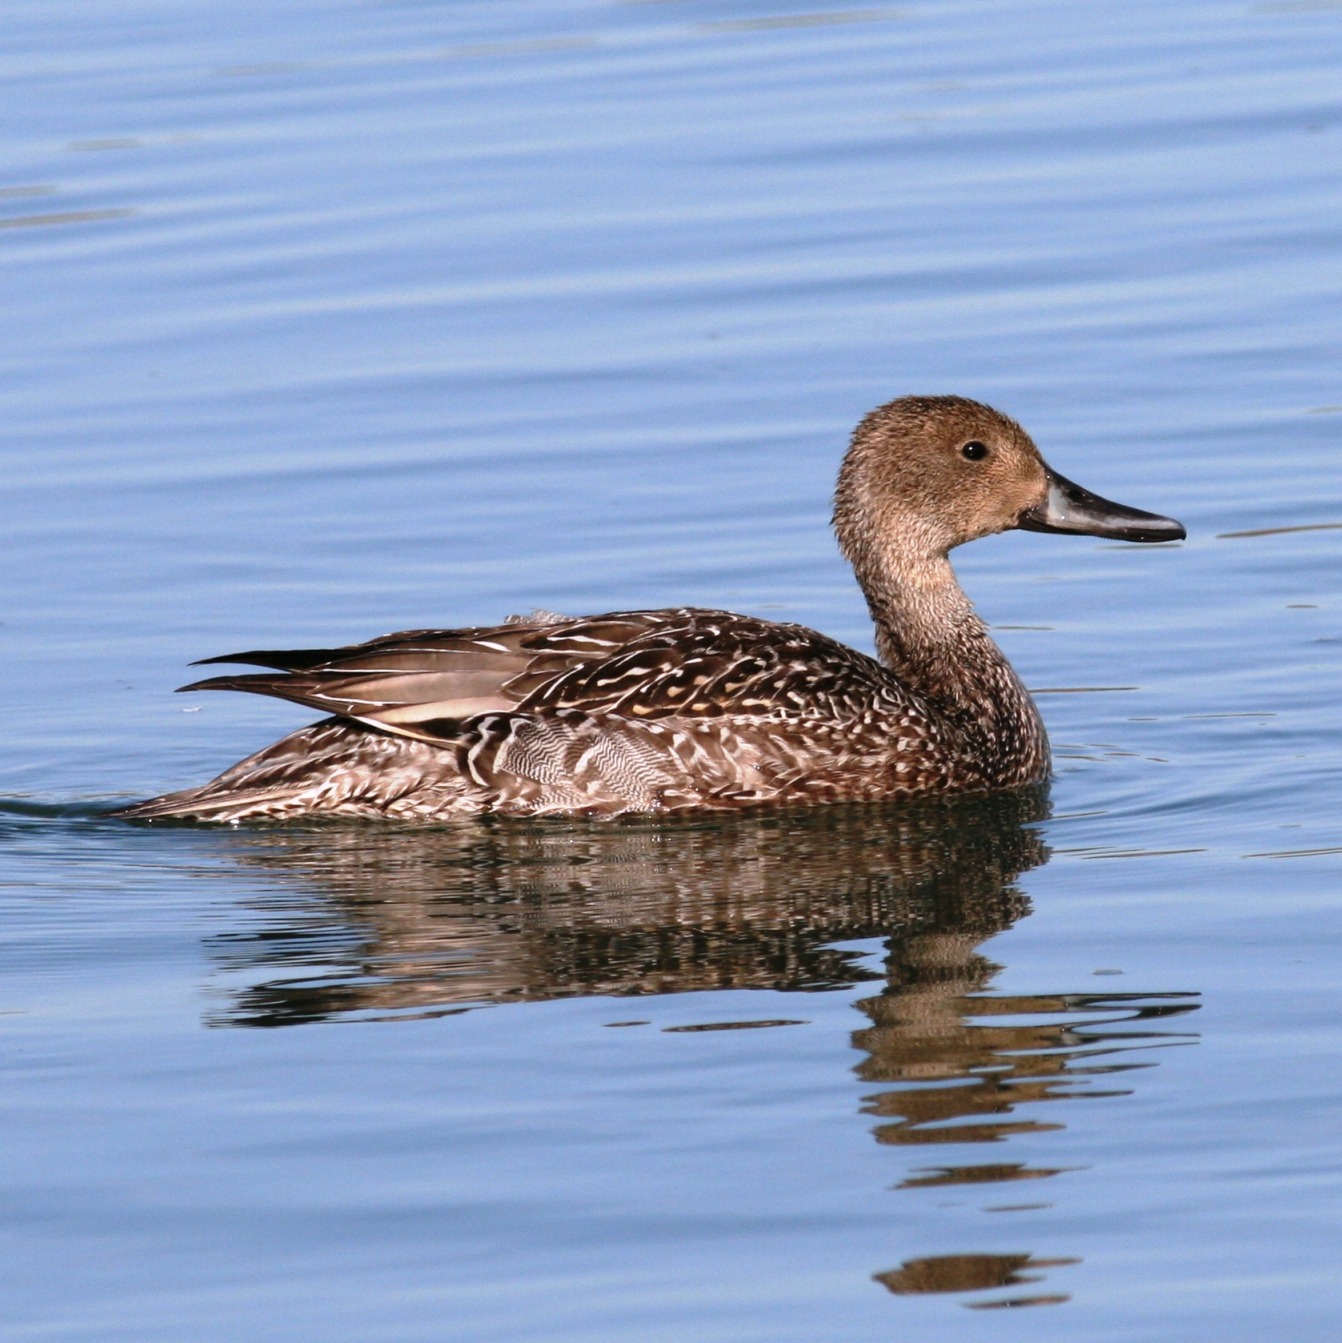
(674, 710)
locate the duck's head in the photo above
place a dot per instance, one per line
(927, 473)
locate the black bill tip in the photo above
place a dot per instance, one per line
(1070, 509)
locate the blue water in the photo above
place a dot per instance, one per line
(328, 319)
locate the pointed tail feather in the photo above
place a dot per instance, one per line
(204, 804)
(281, 659)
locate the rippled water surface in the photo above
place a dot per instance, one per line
(326, 319)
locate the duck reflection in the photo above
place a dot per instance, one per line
(380, 923)
(432, 920)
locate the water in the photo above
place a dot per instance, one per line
(330, 319)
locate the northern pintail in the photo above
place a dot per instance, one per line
(685, 709)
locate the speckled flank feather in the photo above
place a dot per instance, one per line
(659, 711)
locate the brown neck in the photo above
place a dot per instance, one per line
(927, 632)
(935, 644)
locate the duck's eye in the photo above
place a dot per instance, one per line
(975, 451)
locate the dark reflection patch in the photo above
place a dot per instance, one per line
(1039, 1299)
(735, 1025)
(939, 1176)
(965, 1272)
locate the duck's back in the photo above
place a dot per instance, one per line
(630, 711)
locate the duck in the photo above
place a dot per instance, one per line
(687, 709)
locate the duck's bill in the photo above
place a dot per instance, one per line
(1069, 508)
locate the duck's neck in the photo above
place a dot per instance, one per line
(933, 641)
(927, 632)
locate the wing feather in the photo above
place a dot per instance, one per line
(636, 665)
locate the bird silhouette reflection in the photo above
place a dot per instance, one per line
(420, 919)
(381, 922)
